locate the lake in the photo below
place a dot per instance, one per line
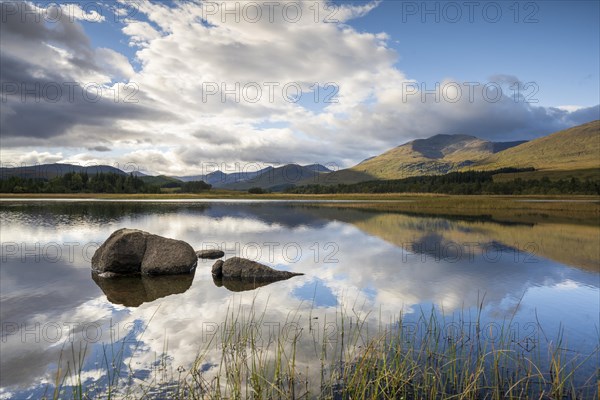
(536, 283)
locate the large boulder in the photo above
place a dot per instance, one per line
(122, 253)
(242, 268)
(131, 251)
(165, 256)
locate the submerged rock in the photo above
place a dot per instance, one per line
(240, 274)
(238, 267)
(212, 254)
(132, 251)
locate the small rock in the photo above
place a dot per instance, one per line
(211, 254)
(238, 267)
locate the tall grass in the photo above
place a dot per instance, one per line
(439, 360)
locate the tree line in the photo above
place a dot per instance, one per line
(81, 182)
(470, 182)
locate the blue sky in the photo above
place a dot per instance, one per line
(435, 40)
(552, 43)
(174, 60)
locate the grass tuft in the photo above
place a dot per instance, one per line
(440, 360)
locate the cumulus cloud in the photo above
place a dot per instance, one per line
(220, 82)
(31, 158)
(57, 90)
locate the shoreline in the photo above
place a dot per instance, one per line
(285, 196)
(575, 209)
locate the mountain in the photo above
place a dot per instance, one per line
(211, 178)
(49, 171)
(575, 149)
(220, 179)
(438, 154)
(570, 152)
(266, 177)
(280, 178)
(160, 180)
(571, 149)
(317, 168)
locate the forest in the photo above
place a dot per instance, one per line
(459, 183)
(75, 182)
(470, 182)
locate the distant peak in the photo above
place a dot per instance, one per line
(450, 137)
(442, 138)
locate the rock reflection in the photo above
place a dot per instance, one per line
(243, 285)
(132, 291)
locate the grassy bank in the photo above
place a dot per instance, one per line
(571, 209)
(431, 357)
(583, 210)
(582, 174)
(232, 194)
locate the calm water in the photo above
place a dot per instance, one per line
(376, 266)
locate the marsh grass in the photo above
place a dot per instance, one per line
(439, 360)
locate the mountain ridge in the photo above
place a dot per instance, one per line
(248, 179)
(438, 154)
(573, 149)
(577, 147)
(49, 171)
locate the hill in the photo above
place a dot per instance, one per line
(160, 180)
(220, 179)
(571, 153)
(436, 155)
(280, 178)
(208, 178)
(267, 178)
(576, 148)
(49, 171)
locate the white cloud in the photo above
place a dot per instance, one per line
(91, 13)
(189, 51)
(114, 63)
(191, 58)
(570, 108)
(140, 32)
(34, 157)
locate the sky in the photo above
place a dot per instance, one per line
(184, 88)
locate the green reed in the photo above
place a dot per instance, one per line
(352, 361)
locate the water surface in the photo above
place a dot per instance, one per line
(375, 265)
